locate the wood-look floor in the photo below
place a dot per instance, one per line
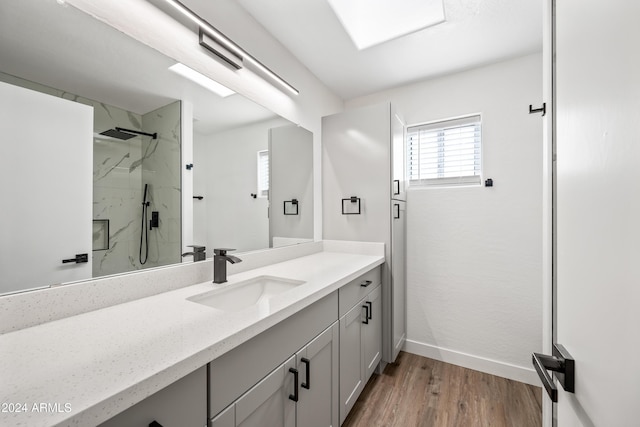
(416, 391)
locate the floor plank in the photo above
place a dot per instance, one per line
(422, 392)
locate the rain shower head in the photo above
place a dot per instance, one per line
(125, 134)
(114, 133)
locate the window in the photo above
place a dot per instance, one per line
(263, 173)
(446, 152)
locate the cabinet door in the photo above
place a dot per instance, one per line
(372, 332)
(351, 359)
(226, 418)
(182, 404)
(318, 370)
(269, 403)
(398, 277)
(398, 174)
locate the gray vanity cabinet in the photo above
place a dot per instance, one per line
(372, 332)
(181, 404)
(360, 346)
(268, 403)
(351, 360)
(318, 368)
(300, 392)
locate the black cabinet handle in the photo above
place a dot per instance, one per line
(396, 214)
(80, 258)
(154, 423)
(366, 317)
(294, 396)
(370, 311)
(307, 383)
(365, 283)
(396, 182)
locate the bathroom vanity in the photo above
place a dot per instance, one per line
(298, 356)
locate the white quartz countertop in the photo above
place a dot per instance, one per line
(89, 367)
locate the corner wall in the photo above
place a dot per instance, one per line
(474, 254)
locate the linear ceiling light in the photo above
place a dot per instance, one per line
(228, 44)
(201, 79)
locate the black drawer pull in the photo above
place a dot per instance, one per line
(366, 283)
(154, 423)
(294, 396)
(370, 311)
(307, 383)
(80, 258)
(366, 317)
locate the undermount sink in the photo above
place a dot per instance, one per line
(238, 296)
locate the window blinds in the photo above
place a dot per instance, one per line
(446, 152)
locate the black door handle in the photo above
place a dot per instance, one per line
(370, 311)
(396, 182)
(294, 396)
(396, 214)
(80, 258)
(307, 383)
(366, 317)
(562, 364)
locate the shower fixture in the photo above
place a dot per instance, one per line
(125, 134)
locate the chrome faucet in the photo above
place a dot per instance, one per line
(220, 264)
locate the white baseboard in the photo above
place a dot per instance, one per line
(493, 367)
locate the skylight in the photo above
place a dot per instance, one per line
(371, 22)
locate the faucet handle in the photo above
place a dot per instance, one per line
(197, 248)
(222, 251)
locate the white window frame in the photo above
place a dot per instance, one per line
(474, 179)
(263, 176)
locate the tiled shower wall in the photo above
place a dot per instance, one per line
(161, 170)
(120, 170)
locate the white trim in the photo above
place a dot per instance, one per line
(477, 363)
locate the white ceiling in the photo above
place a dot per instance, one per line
(63, 48)
(476, 32)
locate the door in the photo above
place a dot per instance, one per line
(46, 214)
(597, 296)
(271, 402)
(318, 368)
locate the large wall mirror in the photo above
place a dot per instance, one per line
(92, 126)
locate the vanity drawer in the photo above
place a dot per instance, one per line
(354, 291)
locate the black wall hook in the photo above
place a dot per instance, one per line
(542, 110)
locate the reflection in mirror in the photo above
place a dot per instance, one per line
(64, 202)
(244, 175)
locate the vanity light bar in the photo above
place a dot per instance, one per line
(201, 79)
(225, 42)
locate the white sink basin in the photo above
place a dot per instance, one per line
(238, 296)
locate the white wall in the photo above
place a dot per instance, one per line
(226, 175)
(474, 254)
